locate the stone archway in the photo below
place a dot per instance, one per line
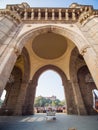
(79, 106)
(25, 64)
(16, 86)
(12, 88)
(29, 103)
(78, 39)
(68, 32)
(80, 34)
(82, 90)
(86, 85)
(74, 34)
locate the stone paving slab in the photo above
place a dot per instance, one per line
(38, 122)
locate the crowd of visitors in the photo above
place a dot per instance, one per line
(45, 109)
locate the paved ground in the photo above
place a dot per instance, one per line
(38, 122)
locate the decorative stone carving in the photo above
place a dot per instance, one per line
(74, 13)
(84, 49)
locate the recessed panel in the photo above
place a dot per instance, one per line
(49, 45)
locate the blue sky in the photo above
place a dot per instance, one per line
(49, 3)
(50, 84)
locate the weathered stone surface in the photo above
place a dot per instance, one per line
(19, 28)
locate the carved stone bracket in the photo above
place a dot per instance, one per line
(13, 15)
(17, 51)
(84, 49)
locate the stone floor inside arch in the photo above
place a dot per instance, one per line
(38, 122)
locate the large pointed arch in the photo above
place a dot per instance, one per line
(65, 82)
(68, 32)
(17, 88)
(81, 88)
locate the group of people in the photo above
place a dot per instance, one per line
(45, 109)
(63, 109)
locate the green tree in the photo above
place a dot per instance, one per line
(57, 102)
(53, 104)
(63, 102)
(42, 102)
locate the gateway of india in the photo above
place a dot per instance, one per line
(34, 40)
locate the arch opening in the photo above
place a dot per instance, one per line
(69, 96)
(86, 84)
(12, 91)
(16, 83)
(2, 98)
(83, 82)
(50, 93)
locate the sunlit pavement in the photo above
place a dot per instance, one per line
(38, 122)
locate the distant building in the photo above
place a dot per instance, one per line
(51, 98)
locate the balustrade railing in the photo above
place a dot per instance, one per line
(52, 14)
(49, 14)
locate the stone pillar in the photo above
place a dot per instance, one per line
(60, 14)
(13, 8)
(25, 14)
(13, 89)
(7, 62)
(21, 99)
(70, 100)
(28, 108)
(73, 15)
(52, 14)
(39, 14)
(78, 99)
(46, 14)
(92, 62)
(32, 14)
(5, 108)
(66, 15)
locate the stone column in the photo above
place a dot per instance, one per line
(32, 14)
(7, 62)
(73, 15)
(70, 100)
(46, 14)
(39, 14)
(21, 99)
(28, 108)
(52, 14)
(81, 110)
(66, 15)
(60, 14)
(91, 60)
(25, 14)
